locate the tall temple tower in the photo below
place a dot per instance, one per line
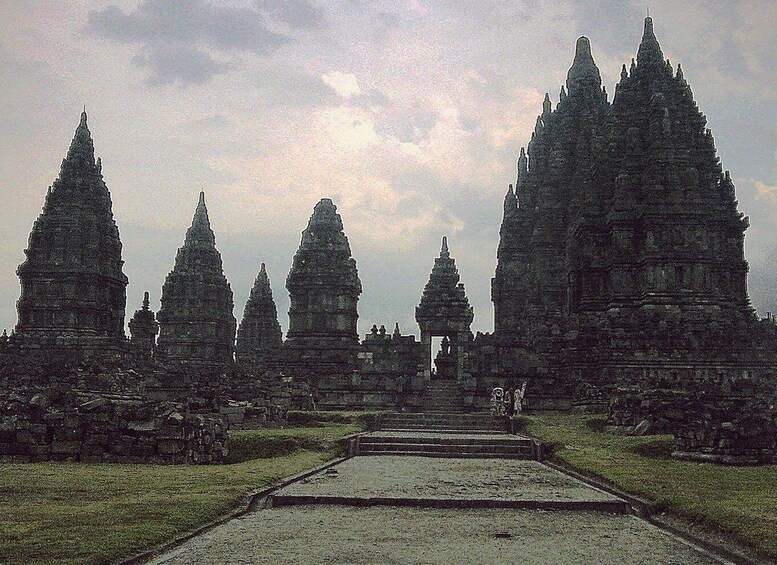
(324, 289)
(621, 248)
(259, 336)
(73, 286)
(444, 311)
(677, 239)
(195, 318)
(554, 187)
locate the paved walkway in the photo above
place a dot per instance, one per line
(457, 480)
(335, 533)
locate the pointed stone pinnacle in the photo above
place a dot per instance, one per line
(145, 300)
(200, 230)
(510, 203)
(649, 52)
(444, 249)
(583, 72)
(546, 106)
(523, 166)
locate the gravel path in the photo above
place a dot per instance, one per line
(331, 533)
(384, 535)
(460, 479)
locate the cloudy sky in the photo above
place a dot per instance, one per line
(409, 114)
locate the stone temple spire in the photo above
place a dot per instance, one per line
(649, 52)
(583, 74)
(259, 336)
(324, 289)
(443, 290)
(444, 248)
(72, 281)
(444, 310)
(143, 328)
(196, 320)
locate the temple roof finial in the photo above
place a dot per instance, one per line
(583, 71)
(649, 50)
(444, 249)
(200, 230)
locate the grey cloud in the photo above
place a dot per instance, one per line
(295, 13)
(177, 35)
(170, 64)
(409, 128)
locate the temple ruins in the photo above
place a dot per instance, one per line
(621, 285)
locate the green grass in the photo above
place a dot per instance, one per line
(245, 445)
(77, 513)
(741, 501)
(312, 418)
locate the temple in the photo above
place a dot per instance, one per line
(259, 336)
(444, 311)
(196, 322)
(620, 285)
(144, 329)
(324, 289)
(621, 249)
(73, 287)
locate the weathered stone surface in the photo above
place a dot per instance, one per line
(195, 318)
(73, 286)
(621, 247)
(259, 336)
(144, 328)
(120, 429)
(444, 311)
(324, 289)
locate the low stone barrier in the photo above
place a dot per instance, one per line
(113, 428)
(635, 412)
(731, 430)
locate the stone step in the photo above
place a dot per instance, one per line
(446, 416)
(448, 454)
(431, 450)
(444, 430)
(448, 440)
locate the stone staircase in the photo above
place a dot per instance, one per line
(471, 445)
(444, 430)
(442, 422)
(443, 396)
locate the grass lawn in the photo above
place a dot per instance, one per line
(738, 500)
(97, 513)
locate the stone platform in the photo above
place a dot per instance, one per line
(448, 444)
(446, 483)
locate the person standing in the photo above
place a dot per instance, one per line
(510, 407)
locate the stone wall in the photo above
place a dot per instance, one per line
(731, 429)
(41, 425)
(635, 412)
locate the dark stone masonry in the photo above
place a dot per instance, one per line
(259, 336)
(196, 320)
(324, 289)
(73, 286)
(144, 329)
(620, 287)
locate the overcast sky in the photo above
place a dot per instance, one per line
(409, 114)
